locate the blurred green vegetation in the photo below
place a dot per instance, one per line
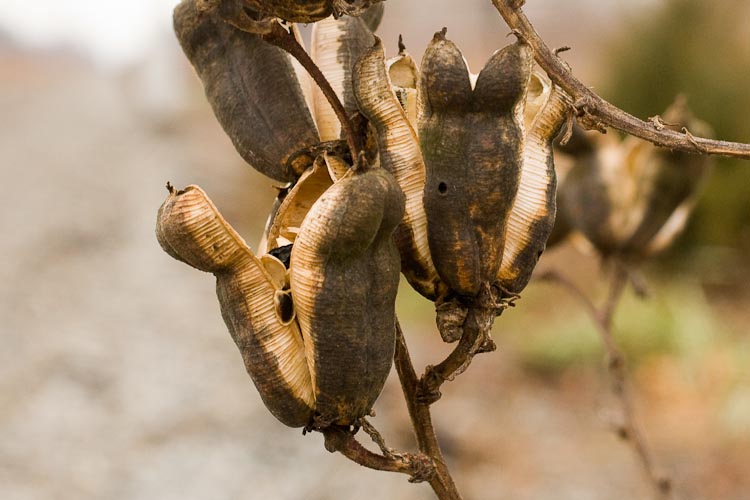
(676, 320)
(701, 49)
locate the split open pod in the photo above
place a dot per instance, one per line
(629, 198)
(261, 97)
(476, 167)
(317, 337)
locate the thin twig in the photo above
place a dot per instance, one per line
(593, 112)
(629, 430)
(418, 466)
(286, 40)
(474, 339)
(441, 482)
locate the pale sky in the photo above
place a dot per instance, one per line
(113, 32)
(118, 32)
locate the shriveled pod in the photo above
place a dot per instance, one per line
(631, 198)
(252, 88)
(336, 45)
(257, 309)
(399, 154)
(308, 11)
(472, 143)
(533, 213)
(318, 338)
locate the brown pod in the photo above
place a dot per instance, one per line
(344, 277)
(308, 11)
(252, 88)
(533, 214)
(336, 46)
(400, 155)
(254, 305)
(472, 144)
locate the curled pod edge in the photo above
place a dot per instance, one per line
(400, 155)
(254, 308)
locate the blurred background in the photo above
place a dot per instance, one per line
(118, 379)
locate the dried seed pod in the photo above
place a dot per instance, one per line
(631, 198)
(400, 155)
(190, 229)
(533, 214)
(344, 278)
(336, 45)
(318, 339)
(252, 89)
(472, 144)
(308, 11)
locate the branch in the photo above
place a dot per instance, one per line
(593, 112)
(419, 413)
(628, 430)
(475, 339)
(338, 439)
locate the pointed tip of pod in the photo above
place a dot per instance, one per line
(401, 46)
(505, 77)
(445, 82)
(440, 35)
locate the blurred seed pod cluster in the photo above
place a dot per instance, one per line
(628, 198)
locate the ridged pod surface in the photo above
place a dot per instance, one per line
(190, 229)
(336, 45)
(472, 143)
(344, 278)
(252, 88)
(631, 198)
(533, 213)
(400, 155)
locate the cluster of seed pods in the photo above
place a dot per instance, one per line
(459, 194)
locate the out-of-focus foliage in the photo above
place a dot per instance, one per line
(703, 50)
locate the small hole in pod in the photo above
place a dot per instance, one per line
(442, 188)
(284, 307)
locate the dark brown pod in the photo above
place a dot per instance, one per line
(252, 88)
(472, 143)
(344, 278)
